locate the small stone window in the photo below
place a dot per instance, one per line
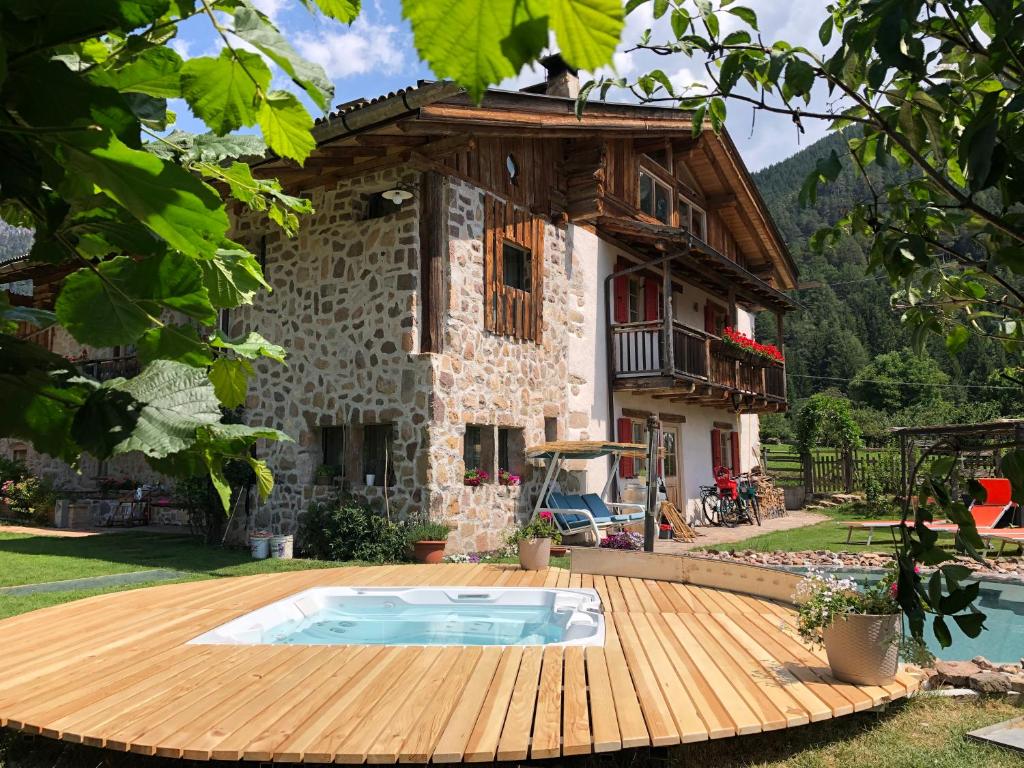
(550, 429)
(378, 206)
(511, 449)
(517, 266)
(261, 254)
(478, 450)
(378, 454)
(19, 455)
(333, 440)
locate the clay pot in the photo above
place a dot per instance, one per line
(428, 552)
(534, 554)
(558, 550)
(864, 648)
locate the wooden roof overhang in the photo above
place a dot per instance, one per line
(695, 261)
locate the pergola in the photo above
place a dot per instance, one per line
(982, 442)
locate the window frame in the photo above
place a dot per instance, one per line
(374, 437)
(656, 182)
(691, 210)
(331, 433)
(526, 275)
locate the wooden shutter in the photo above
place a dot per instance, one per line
(709, 317)
(510, 311)
(652, 298)
(625, 432)
(716, 449)
(734, 443)
(620, 289)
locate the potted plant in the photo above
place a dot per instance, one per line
(325, 474)
(475, 477)
(428, 540)
(535, 539)
(506, 477)
(859, 626)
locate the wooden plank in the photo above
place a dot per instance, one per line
(657, 712)
(454, 736)
(547, 718)
(575, 715)
(483, 742)
(628, 711)
(515, 734)
(602, 710)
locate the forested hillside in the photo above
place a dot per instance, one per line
(846, 320)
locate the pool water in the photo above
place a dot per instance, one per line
(1002, 640)
(421, 616)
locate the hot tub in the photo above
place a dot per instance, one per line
(420, 616)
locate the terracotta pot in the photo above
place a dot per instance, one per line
(864, 648)
(428, 552)
(558, 551)
(534, 554)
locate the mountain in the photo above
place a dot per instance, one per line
(846, 319)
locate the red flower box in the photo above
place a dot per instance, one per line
(733, 338)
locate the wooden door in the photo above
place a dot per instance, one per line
(670, 464)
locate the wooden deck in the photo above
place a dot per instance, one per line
(681, 663)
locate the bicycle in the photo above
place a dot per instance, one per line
(748, 497)
(711, 507)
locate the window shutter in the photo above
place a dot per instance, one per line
(716, 449)
(709, 318)
(652, 299)
(734, 443)
(625, 430)
(620, 289)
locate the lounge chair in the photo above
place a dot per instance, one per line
(1006, 536)
(575, 514)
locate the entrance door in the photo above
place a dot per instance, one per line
(670, 466)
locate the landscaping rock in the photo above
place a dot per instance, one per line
(1016, 683)
(990, 683)
(957, 673)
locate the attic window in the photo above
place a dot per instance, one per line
(513, 168)
(655, 197)
(378, 206)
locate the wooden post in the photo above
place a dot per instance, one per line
(779, 343)
(808, 462)
(848, 470)
(653, 474)
(669, 364)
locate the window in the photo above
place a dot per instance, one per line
(377, 454)
(261, 254)
(655, 197)
(669, 467)
(516, 263)
(692, 219)
(511, 449)
(550, 429)
(636, 300)
(639, 436)
(224, 321)
(20, 455)
(715, 318)
(660, 156)
(513, 168)
(725, 447)
(378, 206)
(333, 445)
(472, 447)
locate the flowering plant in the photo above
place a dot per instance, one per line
(505, 477)
(29, 498)
(542, 526)
(740, 341)
(821, 597)
(624, 540)
(475, 477)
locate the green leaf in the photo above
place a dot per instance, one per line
(256, 29)
(286, 126)
(825, 31)
(154, 71)
(223, 91)
(344, 11)
(747, 14)
(958, 599)
(230, 379)
(587, 31)
(176, 401)
(970, 624)
(942, 632)
(173, 342)
(208, 147)
(232, 278)
(957, 339)
(114, 303)
(264, 477)
(476, 43)
(169, 200)
(251, 347)
(799, 77)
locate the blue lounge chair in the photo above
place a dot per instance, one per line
(575, 514)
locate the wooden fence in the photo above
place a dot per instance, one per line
(822, 472)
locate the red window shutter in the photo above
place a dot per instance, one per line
(734, 443)
(716, 449)
(709, 318)
(625, 431)
(652, 299)
(620, 290)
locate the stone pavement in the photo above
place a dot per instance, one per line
(710, 536)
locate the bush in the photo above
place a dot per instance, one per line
(30, 498)
(345, 529)
(426, 530)
(776, 428)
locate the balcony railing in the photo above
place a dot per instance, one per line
(102, 369)
(640, 351)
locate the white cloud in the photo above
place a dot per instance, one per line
(272, 8)
(181, 47)
(364, 47)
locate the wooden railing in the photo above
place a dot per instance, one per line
(102, 369)
(639, 351)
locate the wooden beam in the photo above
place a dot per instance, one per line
(388, 140)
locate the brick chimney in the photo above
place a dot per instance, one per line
(562, 79)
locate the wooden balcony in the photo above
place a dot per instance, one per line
(688, 365)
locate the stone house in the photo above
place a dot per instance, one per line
(477, 280)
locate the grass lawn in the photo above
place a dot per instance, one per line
(28, 559)
(927, 732)
(826, 535)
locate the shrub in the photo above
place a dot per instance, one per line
(12, 470)
(30, 498)
(426, 530)
(345, 529)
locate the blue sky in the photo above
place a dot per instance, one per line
(376, 55)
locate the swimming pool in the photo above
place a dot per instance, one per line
(420, 616)
(1003, 605)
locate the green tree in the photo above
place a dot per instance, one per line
(826, 421)
(138, 215)
(898, 380)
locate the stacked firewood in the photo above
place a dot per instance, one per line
(770, 498)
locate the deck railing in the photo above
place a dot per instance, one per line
(639, 351)
(102, 369)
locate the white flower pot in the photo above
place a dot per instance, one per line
(863, 648)
(371, 479)
(534, 554)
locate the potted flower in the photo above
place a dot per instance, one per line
(428, 540)
(859, 626)
(325, 474)
(505, 477)
(665, 531)
(535, 539)
(475, 477)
